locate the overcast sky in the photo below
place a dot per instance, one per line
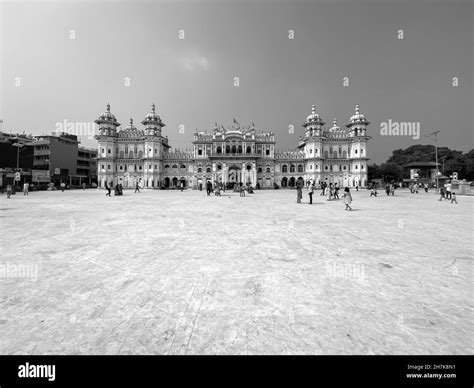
(47, 77)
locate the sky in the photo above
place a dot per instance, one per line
(64, 61)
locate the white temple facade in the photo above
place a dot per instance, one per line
(231, 155)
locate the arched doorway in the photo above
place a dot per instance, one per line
(284, 182)
(235, 176)
(182, 181)
(175, 182)
(301, 181)
(292, 181)
(166, 182)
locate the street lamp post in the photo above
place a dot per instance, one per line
(435, 134)
(18, 145)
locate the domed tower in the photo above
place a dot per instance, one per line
(153, 123)
(107, 123)
(107, 138)
(313, 124)
(357, 131)
(357, 124)
(154, 148)
(312, 145)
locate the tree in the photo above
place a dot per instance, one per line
(391, 172)
(373, 172)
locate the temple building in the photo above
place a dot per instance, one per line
(231, 155)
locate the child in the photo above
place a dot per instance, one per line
(218, 191)
(441, 192)
(453, 197)
(347, 198)
(9, 191)
(373, 192)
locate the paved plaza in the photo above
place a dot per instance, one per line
(170, 272)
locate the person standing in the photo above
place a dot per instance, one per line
(182, 186)
(425, 186)
(84, 186)
(453, 198)
(9, 191)
(449, 187)
(137, 187)
(310, 193)
(208, 188)
(299, 192)
(392, 189)
(387, 189)
(336, 191)
(63, 186)
(25, 188)
(347, 198)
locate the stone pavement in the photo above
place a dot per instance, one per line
(170, 272)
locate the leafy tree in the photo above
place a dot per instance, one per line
(391, 172)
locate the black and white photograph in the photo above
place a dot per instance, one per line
(237, 178)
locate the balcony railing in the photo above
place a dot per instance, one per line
(234, 155)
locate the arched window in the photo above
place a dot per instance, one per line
(234, 149)
(182, 166)
(167, 166)
(249, 149)
(249, 167)
(259, 170)
(199, 169)
(300, 168)
(284, 168)
(130, 154)
(239, 149)
(356, 167)
(326, 154)
(208, 169)
(227, 149)
(219, 167)
(140, 154)
(268, 169)
(121, 155)
(326, 167)
(344, 154)
(219, 150)
(175, 166)
(344, 167)
(292, 168)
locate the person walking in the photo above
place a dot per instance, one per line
(208, 188)
(108, 189)
(442, 193)
(387, 189)
(336, 191)
(25, 188)
(84, 186)
(347, 198)
(137, 187)
(63, 186)
(310, 193)
(425, 186)
(182, 186)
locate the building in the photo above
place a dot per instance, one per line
(61, 157)
(231, 155)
